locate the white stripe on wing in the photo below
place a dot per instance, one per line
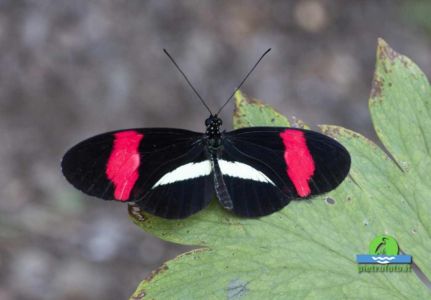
(243, 171)
(185, 172)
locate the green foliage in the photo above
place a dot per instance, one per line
(307, 250)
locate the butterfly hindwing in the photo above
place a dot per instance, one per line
(275, 165)
(182, 191)
(165, 171)
(252, 193)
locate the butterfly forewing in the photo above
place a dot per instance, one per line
(278, 165)
(165, 171)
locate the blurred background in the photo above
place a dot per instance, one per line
(72, 69)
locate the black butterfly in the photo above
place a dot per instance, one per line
(174, 173)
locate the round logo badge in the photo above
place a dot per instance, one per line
(384, 245)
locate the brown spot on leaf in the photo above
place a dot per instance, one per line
(298, 123)
(385, 51)
(376, 88)
(330, 130)
(406, 62)
(157, 271)
(139, 296)
(136, 213)
(194, 251)
(236, 110)
(253, 101)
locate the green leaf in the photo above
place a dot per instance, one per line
(251, 112)
(307, 250)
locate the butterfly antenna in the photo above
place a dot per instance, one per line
(242, 82)
(188, 81)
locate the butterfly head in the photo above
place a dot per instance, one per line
(213, 124)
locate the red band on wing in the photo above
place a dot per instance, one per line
(123, 163)
(299, 162)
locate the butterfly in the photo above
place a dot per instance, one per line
(174, 173)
